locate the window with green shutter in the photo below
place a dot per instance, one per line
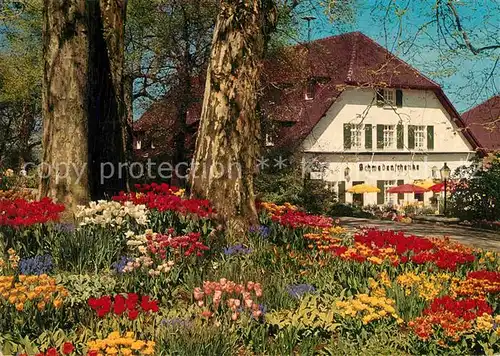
(430, 137)
(381, 193)
(401, 136)
(368, 136)
(380, 136)
(411, 137)
(347, 136)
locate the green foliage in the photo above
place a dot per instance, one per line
(20, 84)
(312, 314)
(477, 197)
(290, 185)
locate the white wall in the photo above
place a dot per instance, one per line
(325, 142)
(354, 105)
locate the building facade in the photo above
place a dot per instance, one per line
(356, 112)
(405, 137)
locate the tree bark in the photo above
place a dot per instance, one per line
(110, 134)
(64, 174)
(227, 146)
(83, 99)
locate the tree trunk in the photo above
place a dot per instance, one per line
(227, 145)
(64, 174)
(83, 106)
(109, 131)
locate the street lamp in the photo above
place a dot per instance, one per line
(309, 19)
(445, 174)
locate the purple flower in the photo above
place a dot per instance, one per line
(298, 290)
(261, 230)
(35, 265)
(237, 249)
(119, 265)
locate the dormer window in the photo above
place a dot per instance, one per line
(389, 97)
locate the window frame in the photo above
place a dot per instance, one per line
(420, 132)
(382, 97)
(356, 136)
(388, 197)
(389, 129)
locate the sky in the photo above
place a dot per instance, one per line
(467, 79)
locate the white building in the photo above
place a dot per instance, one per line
(368, 117)
(355, 109)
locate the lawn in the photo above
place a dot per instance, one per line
(151, 273)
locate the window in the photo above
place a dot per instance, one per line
(419, 137)
(138, 144)
(435, 172)
(356, 136)
(389, 96)
(389, 197)
(152, 145)
(385, 97)
(389, 136)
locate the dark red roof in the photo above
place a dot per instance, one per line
(483, 121)
(333, 63)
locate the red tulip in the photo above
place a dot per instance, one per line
(68, 348)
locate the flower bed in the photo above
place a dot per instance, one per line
(151, 273)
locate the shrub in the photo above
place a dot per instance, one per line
(477, 195)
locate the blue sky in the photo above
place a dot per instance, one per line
(467, 79)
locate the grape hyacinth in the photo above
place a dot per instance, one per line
(237, 249)
(261, 230)
(119, 265)
(298, 290)
(36, 265)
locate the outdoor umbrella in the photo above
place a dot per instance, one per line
(407, 188)
(363, 188)
(450, 186)
(424, 183)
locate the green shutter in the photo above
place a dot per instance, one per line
(399, 98)
(411, 137)
(430, 137)
(347, 136)
(368, 136)
(401, 196)
(401, 136)
(342, 192)
(381, 194)
(380, 136)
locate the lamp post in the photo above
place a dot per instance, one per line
(309, 19)
(445, 174)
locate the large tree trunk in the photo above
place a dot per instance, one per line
(83, 107)
(109, 137)
(64, 96)
(227, 145)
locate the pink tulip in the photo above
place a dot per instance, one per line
(198, 294)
